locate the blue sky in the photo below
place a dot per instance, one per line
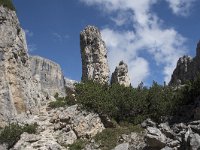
(149, 35)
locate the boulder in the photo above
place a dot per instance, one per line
(155, 138)
(194, 141)
(123, 146)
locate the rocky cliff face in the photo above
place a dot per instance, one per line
(187, 68)
(94, 56)
(120, 75)
(49, 76)
(18, 92)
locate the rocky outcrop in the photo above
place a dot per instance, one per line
(120, 75)
(49, 76)
(59, 127)
(175, 136)
(70, 84)
(18, 92)
(187, 68)
(94, 56)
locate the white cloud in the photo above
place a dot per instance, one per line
(163, 45)
(59, 37)
(181, 7)
(28, 32)
(32, 47)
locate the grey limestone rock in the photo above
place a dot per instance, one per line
(70, 84)
(94, 56)
(49, 76)
(194, 140)
(155, 138)
(120, 75)
(18, 92)
(123, 146)
(187, 68)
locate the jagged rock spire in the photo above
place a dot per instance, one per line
(187, 68)
(120, 75)
(181, 73)
(94, 56)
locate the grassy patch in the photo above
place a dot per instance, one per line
(8, 4)
(78, 145)
(62, 102)
(11, 134)
(109, 137)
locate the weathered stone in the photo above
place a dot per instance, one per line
(49, 75)
(194, 140)
(187, 68)
(86, 124)
(3, 147)
(29, 137)
(67, 124)
(155, 138)
(70, 84)
(148, 123)
(123, 146)
(18, 92)
(164, 128)
(94, 56)
(120, 75)
(167, 148)
(67, 138)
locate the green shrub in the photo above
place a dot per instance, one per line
(94, 96)
(78, 145)
(163, 101)
(8, 4)
(116, 101)
(109, 137)
(11, 134)
(135, 104)
(30, 128)
(60, 102)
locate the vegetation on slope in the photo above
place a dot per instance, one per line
(129, 104)
(11, 134)
(8, 4)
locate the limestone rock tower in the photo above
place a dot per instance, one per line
(120, 75)
(94, 56)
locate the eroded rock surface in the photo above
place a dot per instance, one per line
(58, 127)
(70, 84)
(94, 56)
(49, 76)
(120, 75)
(18, 92)
(174, 137)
